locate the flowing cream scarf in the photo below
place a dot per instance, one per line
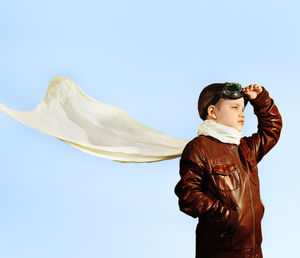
(68, 114)
(221, 132)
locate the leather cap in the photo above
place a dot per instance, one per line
(207, 95)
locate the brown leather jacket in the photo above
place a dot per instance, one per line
(219, 185)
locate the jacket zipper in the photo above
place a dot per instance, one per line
(253, 216)
(252, 206)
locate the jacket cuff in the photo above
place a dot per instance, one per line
(232, 221)
(262, 100)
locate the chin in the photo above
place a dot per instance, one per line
(238, 128)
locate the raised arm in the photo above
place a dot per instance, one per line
(269, 122)
(191, 192)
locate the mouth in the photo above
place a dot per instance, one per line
(241, 122)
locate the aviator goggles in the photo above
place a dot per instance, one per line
(231, 90)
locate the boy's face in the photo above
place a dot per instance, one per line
(230, 112)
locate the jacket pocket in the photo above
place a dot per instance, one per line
(226, 177)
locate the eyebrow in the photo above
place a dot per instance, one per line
(238, 105)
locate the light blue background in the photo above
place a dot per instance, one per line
(150, 58)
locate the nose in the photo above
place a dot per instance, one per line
(242, 114)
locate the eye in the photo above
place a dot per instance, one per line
(234, 107)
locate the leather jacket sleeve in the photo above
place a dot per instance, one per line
(191, 192)
(269, 125)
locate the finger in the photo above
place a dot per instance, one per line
(258, 88)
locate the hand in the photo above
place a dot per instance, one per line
(252, 91)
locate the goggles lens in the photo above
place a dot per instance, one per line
(233, 87)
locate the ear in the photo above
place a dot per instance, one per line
(211, 112)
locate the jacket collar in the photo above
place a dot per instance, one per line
(221, 132)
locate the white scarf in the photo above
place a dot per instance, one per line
(68, 114)
(221, 132)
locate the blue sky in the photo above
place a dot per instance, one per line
(150, 58)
